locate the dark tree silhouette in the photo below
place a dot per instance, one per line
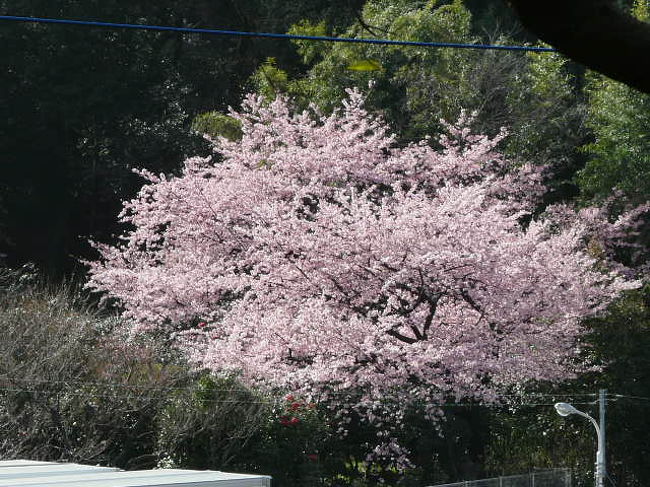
(596, 33)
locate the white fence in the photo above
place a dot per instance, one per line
(557, 477)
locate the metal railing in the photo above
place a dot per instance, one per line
(556, 477)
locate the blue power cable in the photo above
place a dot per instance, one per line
(237, 33)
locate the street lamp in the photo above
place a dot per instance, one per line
(565, 409)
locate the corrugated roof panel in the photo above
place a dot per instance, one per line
(34, 481)
(48, 470)
(44, 474)
(23, 463)
(169, 481)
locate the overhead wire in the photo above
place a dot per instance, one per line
(128, 391)
(82, 383)
(12, 382)
(624, 396)
(272, 35)
(159, 392)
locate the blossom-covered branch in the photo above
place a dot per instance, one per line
(323, 257)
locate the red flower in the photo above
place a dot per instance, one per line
(312, 456)
(284, 420)
(295, 405)
(290, 397)
(294, 420)
(202, 324)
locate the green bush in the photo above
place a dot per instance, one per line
(74, 387)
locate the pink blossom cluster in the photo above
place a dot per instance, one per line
(315, 254)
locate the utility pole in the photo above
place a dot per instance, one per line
(601, 465)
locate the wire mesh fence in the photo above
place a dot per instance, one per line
(557, 477)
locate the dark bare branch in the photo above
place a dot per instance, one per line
(433, 306)
(403, 338)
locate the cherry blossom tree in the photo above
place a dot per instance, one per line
(315, 255)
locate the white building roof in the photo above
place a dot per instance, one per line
(22, 463)
(26, 473)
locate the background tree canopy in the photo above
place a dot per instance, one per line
(81, 107)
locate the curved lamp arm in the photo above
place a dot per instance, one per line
(593, 421)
